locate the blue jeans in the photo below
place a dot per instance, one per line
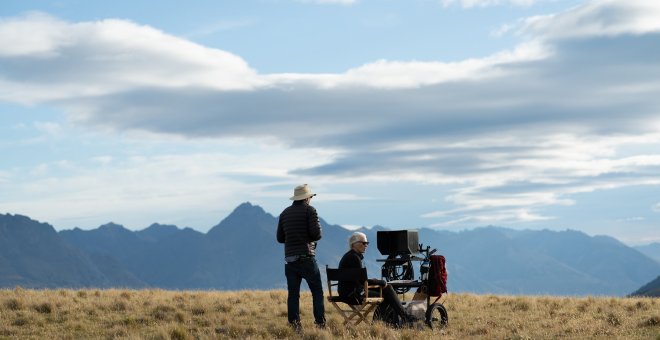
(296, 271)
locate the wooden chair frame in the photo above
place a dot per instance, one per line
(355, 312)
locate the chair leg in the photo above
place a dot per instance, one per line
(357, 312)
(366, 310)
(344, 313)
(370, 308)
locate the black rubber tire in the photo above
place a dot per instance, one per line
(436, 316)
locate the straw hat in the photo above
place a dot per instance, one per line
(301, 192)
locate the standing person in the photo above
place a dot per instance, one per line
(299, 229)
(353, 291)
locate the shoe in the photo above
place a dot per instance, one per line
(296, 326)
(411, 319)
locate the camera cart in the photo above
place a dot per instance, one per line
(402, 249)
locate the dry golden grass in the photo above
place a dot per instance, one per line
(159, 314)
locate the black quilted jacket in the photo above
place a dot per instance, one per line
(299, 229)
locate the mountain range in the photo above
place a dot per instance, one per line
(240, 252)
(651, 250)
(650, 289)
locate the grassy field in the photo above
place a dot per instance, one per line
(159, 314)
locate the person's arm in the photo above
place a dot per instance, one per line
(280, 231)
(313, 224)
(353, 289)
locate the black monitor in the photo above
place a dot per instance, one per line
(393, 242)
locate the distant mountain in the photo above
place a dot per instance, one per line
(241, 252)
(498, 260)
(650, 289)
(651, 250)
(33, 255)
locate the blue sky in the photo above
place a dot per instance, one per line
(450, 114)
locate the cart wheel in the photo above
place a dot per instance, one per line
(436, 316)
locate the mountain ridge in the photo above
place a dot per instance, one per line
(240, 252)
(651, 250)
(650, 289)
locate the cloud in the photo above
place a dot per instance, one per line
(45, 59)
(330, 2)
(573, 109)
(631, 219)
(50, 128)
(500, 216)
(4, 177)
(656, 207)
(47, 35)
(140, 188)
(597, 18)
(487, 3)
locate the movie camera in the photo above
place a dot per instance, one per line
(402, 248)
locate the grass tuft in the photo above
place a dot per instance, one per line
(44, 308)
(653, 321)
(20, 321)
(178, 333)
(163, 312)
(613, 319)
(118, 306)
(13, 304)
(198, 310)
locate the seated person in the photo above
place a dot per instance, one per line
(353, 291)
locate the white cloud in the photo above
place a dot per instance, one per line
(352, 226)
(46, 36)
(142, 189)
(501, 216)
(414, 74)
(487, 3)
(90, 59)
(597, 18)
(50, 128)
(95, 58)
(519, 185)
(656, 207)
(330, 2)
(103, 160)
(5, 177)
(514, 132)
(631, 219)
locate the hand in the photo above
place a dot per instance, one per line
(311, 245)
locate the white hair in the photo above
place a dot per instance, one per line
(355, 237)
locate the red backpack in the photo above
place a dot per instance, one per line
(437, 276)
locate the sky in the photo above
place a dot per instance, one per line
(446, 114)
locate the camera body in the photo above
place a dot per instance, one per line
(398, 242)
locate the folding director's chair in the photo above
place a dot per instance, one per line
(355, 312)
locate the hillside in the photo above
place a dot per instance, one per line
(498, 260)
(240, 252)
(159, 314)
(33, 254)
(650, 289)
(651, 250)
